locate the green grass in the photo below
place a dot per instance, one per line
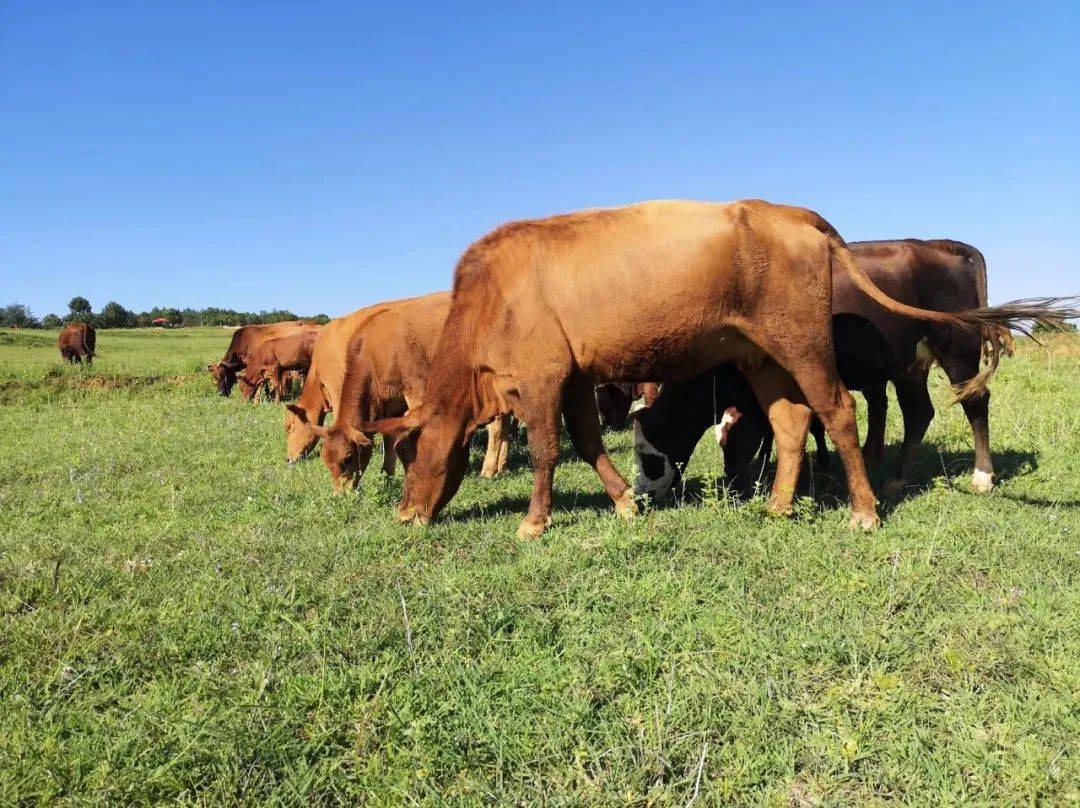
(183, 618)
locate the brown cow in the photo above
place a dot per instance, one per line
(274, 356)
(77, 342)
(543, 310)
(322, 387)
(383, 354)
(244, 339)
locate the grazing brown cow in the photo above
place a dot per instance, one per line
(322, 386)
(386, 352)
(77, 342)
(243, 341)
(543, 310)
(873, 346)
(274, 356)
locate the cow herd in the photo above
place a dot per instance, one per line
(752, 318)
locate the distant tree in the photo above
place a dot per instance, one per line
(16, 315)
(113, 315)
(79, 305)
(276, 316)
(51, 321)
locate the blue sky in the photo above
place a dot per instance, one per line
(321, 157)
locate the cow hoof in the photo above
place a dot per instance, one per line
(532, 530)
(893, 488)
(864, 521)
(488, 473)
(982, 481)
(625, 506)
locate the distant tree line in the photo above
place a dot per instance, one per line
(113, 315)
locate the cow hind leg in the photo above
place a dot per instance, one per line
(977, 410)
(918, 411)
(789, 417)
(498, 439)
(583, 424)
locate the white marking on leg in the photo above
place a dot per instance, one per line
(982, 481)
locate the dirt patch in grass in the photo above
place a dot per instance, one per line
(57, 382)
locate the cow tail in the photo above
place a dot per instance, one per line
(993, 339)
(990, 322)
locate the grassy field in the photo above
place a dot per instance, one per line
(184, 618)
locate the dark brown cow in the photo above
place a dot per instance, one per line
(271, 358)
(244, 339)
(77, 342)
(386, 366)
(543, 310)
(873, 347)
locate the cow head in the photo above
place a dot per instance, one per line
(345, 453)
(435, 453)
(224, 376)
(666, 433)
(301, 434)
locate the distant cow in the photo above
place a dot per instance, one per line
(873, 346)
(542, 310)
(387, 359)
(272, 357)
(244, 339)
(77, 342)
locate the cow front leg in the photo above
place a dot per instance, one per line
(918, 411)
(877, 407)
(539, 407)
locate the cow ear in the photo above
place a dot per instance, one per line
(396, 428)
(357, 436)
(299, 412)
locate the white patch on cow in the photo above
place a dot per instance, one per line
(982, 481)
(644, 485)
(638, 404)
(727, 421)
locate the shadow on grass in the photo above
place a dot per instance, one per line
(827, 486)
(571, 501)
